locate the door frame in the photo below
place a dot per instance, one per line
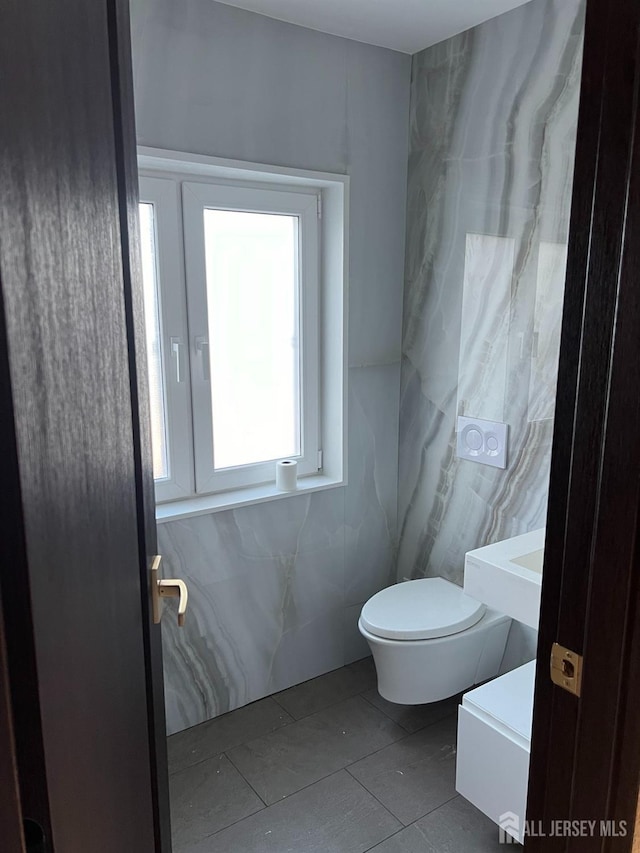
(585, 757)
(129, 197)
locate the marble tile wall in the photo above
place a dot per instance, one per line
(276, 589)
(492, 136)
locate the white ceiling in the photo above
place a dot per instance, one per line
(404, 25)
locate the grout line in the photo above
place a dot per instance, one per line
(376, 751)
(323, 708)
(242, 776)
(322, 778)
(310, 785)
(217, 755)
(233, 746)
(327, 707)
(273, 696)
(366, 790)
(173, 773)
(271, 805)
(382, 805)
(346, 767)
(406, 734)
(399, 740)
(408, 731)
(266, 805)
(304, 787)
(233, 823)
(280, 705)
(379, 801)
(431, 811)
(413, 823)
(222, 828)
(293, 794)
(388, 808)
(388, 838)
(373, 705)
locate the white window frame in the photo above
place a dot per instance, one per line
(162, 194)
(332, 213)
(196, 198)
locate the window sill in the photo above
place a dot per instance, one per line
(205, 504)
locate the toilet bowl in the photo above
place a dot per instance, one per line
(430, 641)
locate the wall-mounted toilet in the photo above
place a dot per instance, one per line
(430, 641)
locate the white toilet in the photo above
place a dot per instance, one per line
(430, 641)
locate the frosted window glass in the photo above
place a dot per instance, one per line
(254, 335)
(154, 346)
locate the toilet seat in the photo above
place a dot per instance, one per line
(422, 609)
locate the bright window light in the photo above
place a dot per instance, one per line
(154, 346)
(254, 335)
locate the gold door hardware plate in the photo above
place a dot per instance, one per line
(566, 669)
(169, 588)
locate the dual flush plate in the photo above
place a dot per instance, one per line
(482, 441)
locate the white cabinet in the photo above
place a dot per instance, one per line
(494, 744)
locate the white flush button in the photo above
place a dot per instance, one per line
(482, 441)
(473, 439)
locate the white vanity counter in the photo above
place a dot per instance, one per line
(507, 576)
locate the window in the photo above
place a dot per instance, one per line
(231, 274)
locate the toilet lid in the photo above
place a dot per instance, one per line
(420, 610)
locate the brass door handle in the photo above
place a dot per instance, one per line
(167, 588)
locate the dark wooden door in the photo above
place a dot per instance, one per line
(586, 750)
(10, 807)
(77, 526)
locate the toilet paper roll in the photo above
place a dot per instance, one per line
(287, 475)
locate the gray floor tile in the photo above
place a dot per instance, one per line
(365, 668)
(456, 827)
(414, 717)
(216, 736)
(322, 692)
(408, 840)
(207, 797)
(278, 764)
(415, 775)
(335, 815)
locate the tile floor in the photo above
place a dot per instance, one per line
(325, 767)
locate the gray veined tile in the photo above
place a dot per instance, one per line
(325, 690)
(415, 775)
(207, 797)
(335, 815)
(408, 840)
(304, 752)
(355, 645)
(222, 733)
(292, 600)
(414, 717)
(310, 619)
(501, 187)
(308, 650)
(456, 827)
(371, 495)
